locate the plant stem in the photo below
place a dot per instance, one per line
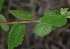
(18, 22)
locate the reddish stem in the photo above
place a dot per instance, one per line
(18, 22)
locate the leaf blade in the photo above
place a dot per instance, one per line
(22, 14)
(1, 2)
(67, 14)
(42, 29)
(63, 11)
(5, 27)
(54, 18)
(2, 18)
(16, 35)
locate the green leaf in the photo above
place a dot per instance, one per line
(22, 14)
(5, 27)
(42, 29)
(63, 11)
(54, 18)
(2, 18)
(16, 35)
(68, 17)
(67, 14)
(1, 2)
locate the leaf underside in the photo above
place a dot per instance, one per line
(42, 29)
